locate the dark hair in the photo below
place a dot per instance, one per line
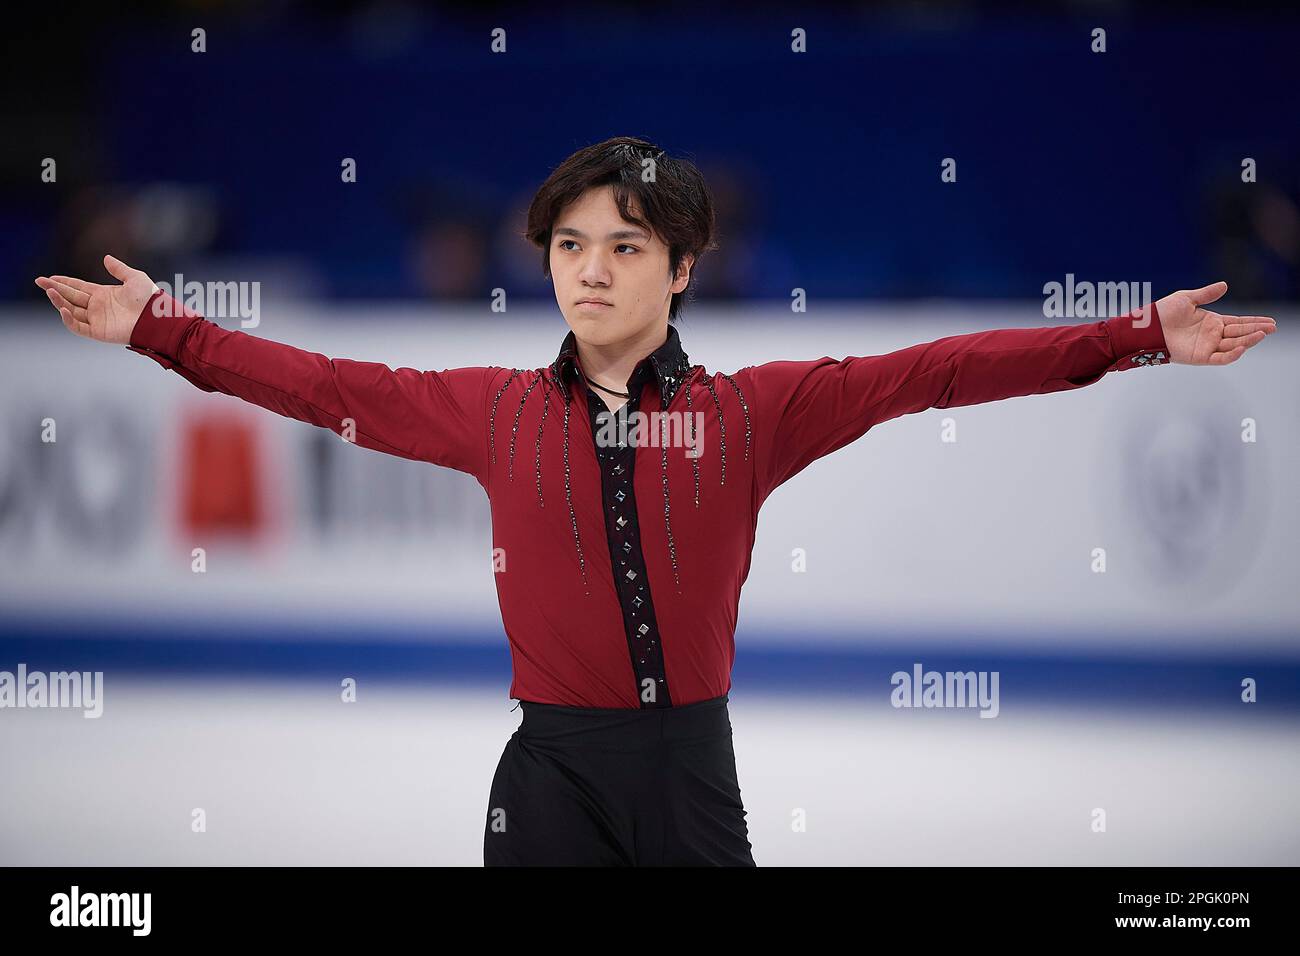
(677, 206)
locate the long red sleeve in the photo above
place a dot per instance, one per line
(624, 571)
(438, 417)
(813, 408)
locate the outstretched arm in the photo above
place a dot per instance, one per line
(809, 409)
(437, 417)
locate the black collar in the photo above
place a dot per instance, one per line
(668, 363)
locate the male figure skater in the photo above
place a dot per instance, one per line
(625, 556)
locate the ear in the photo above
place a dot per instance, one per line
(683, 277)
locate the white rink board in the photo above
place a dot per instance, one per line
(988, 539)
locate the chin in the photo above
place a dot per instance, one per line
(597, 331)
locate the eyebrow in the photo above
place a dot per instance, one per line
(620, 234)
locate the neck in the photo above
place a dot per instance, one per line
(611, 365)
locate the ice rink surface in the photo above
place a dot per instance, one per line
(286, 773)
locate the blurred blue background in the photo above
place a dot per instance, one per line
(825, 165)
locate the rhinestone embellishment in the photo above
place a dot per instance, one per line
(492, 430)
(671, 380)
(568, 496)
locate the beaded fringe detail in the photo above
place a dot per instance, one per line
(551, 382)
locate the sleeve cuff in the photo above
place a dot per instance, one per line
(1138, 338)
(160, 328)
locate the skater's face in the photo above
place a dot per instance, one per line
(596, 254)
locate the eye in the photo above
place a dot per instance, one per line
(562, 242)
(624, 245)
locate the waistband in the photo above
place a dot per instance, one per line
(623, 727)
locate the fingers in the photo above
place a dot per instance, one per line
(1234, 347)
(73, 295)
(1207, 294)
(118, 269)
(1245, 324)
(78, 328)
(77, 312)
(1247, 340)
(75, 325)
(1240, 332)
(1227, 358)
(80, 285)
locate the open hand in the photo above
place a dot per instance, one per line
(105, 313)
(1197, 337)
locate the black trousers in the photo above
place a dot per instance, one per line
(609, 787)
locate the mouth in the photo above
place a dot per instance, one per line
(594, 304)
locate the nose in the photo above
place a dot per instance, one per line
(595, 268)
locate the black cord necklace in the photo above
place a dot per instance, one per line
(611, 391)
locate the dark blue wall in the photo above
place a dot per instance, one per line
(1123, 166)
